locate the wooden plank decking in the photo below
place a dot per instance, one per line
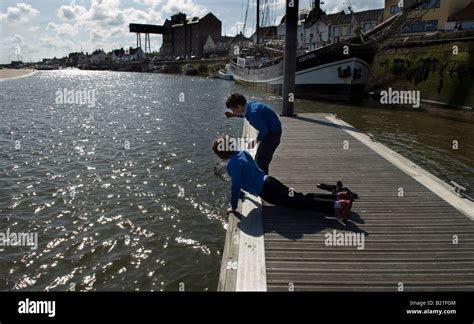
(409, 240)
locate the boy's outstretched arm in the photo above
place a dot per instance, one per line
(230, 115)
(234, 172)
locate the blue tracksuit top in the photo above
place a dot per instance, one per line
(245, 175)
(262, 118)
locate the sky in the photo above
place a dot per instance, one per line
(37, 29)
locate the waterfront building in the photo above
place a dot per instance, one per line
(265, 34)
(185, 37)
(72, 58)
(302, 16)
(430, 17)
(343, 25)
(16, 63)
(238, 42)
(136, 54)
(316, 29)
(463, 19)
(218, 47)
(83, 59)
(99, 57)
(117, 55)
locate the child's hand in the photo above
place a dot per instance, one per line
(229, 114)
(231, 211)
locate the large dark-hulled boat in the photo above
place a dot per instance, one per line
(338, 71)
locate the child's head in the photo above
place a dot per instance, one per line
(223, 147)
(236, 102)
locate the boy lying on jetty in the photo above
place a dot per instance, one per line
(247, 176)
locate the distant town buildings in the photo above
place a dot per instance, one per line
(217, 48)
(73, 58)
(193, 37)
(316, 29)
(238, 43)
(118, 55)
(82, 59)
(343, 26)
(135, 55)
(302, 29)
(100, 57)
(265, 34)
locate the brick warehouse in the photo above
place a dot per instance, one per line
(185, 37)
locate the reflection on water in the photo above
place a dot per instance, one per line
(123, 194)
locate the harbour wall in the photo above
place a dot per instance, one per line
(440, 66)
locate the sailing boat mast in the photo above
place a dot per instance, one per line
(258, 20)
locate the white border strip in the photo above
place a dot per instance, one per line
(434, 184)
(251, 269)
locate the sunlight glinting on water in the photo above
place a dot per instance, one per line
(122, 195)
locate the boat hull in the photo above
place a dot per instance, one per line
(340, 80)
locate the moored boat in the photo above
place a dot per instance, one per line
(337, 71)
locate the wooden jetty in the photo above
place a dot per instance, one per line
(418, 234)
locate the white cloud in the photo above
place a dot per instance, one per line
(117, 32)
(236, 28)
(185, 6)
(142, 17)
(103, 15)
(15, 40)
(71, 12)
(16, 45)
(151, 3)
(54, 43)
(106, 14)
(338, 6)
(49, 42)
(96, 37)
(63, 29)
(96, 24)
(105, 21)
(21, 13)
(104, 10)
(51, 26)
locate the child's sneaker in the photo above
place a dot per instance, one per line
(344, 211)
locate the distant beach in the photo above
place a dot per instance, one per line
(6, 74)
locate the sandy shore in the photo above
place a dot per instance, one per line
(14, 73)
